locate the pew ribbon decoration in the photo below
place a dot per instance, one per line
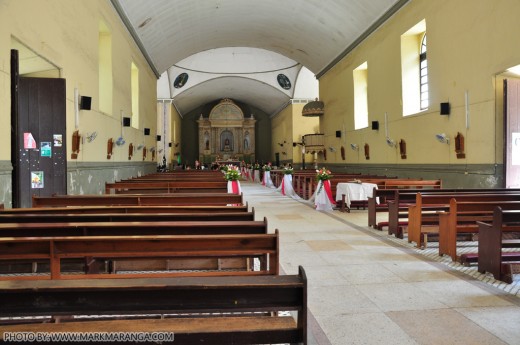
(266, 180)
(234, 187)
(286, 187)
(323, 200)
(232, 175)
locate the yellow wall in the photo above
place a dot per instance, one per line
(289, 126)
(65, 33)
(282, 130)
(469, 43)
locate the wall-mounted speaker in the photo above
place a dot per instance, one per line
(85, 103)
(147, 131)
(338, 134)
(375, 125)
(445, 108)
(126, 122)
(158, 138)
(169, 144)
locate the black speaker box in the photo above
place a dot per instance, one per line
(126, 122)
(85, 103)
(147, 131)
(158, 138)
(338, 134)
(375, 125)
(445, 108)
(169, 144)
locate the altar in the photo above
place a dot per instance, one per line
(226, 135)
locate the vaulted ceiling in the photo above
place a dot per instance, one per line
(185, 36)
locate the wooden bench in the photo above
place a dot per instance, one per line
(137, 200)
(462, 218)
(215, 310)
(127, 228)
(165, 187)
(46, 217)
(188, 248)
(423, 216)
(491, 241)
(197, 209)
(438, 199)
(385, 195)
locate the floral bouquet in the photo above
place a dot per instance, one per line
(288, 171)
(232, 173)
(256, 166)
(266, 167)
(323, 174)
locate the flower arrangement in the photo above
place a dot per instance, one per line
(288, 171)
(256, 166)
(323, 174)
(266, 167)
(223, 168)
(232, 173)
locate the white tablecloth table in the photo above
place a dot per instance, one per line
(354, 191)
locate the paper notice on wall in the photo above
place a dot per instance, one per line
(37, 179)
(28, 141)
(515, 148)
(45, 149)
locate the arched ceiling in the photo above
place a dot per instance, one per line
(312, 33)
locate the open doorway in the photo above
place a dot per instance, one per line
(511, 108)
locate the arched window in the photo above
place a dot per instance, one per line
(423, 68)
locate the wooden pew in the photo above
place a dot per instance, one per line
(398, 207)
(462, 218)
(41, 217)
(423, 216)
(165, 187)
(60, 250)
(49, 227)
(491, 241)
(198, 209)
(137, 200)
(209, 306)
(387, 192)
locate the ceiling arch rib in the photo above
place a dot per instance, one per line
(246, 90)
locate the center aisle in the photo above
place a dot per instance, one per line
(364, 289)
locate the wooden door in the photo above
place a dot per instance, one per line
(39, 157)
(512, 133)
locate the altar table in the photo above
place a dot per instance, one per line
(354, 191)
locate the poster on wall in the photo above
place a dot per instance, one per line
(28, 141)
(57, 139)
(515, 148)
(45, 149)
(37, 179)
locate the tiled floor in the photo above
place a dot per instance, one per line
(368, 288)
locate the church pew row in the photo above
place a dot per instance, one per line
(189, 249)
(192, 209)
(213, 305)
(423, 215)
(384, 195)
(491, 242)
(438, 200)
(462, 218)
(186, 199)
(46, 217)
(166, 187)
(50, 225)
